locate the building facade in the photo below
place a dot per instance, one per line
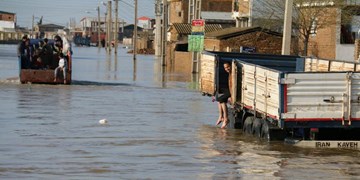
(335, 37)
(181, 11)
(7, 21)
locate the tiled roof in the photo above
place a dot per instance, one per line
(51, 26)
(4, 12)
(185, 28)
(236, 31)
(143, 18)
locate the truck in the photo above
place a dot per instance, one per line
(278, 97)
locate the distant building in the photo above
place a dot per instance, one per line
(47, 30)
(336, 39)
(90, 26)
(7, 21)
(242, 10)
(179, 9)
(145, 22)
(128, 31)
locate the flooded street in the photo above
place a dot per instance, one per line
(158, 128)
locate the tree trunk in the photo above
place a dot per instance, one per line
(306, 43)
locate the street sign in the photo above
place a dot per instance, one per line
(245, 49)
(195, 43)
(196, 39)
(198, 25)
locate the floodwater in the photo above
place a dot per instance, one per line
(158, 128)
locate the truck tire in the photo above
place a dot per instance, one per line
(256, 127)
(247, 128)
(265, 131)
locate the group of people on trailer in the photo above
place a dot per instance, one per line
(44, 55)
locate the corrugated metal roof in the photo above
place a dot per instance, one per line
(4, 12)
(51, 26)
(217, 15)
(236, 31)
(185, 28)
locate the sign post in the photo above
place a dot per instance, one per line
(196, 39)
(196, 42)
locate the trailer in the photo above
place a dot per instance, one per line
(278, 97)
(27, 74)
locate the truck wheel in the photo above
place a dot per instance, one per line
(239, 120)
(247, 128)
(256, 127)
(265, 131)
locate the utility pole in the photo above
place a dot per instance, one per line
(158, 13)
(109, 26)
(32, 26)
(116, 26)
(106, 31)
(99, 22)
(135, 32)
(122, 26)
(286, 43)
(195, 8)
(164, 32)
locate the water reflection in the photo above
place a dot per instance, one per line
(134, 69)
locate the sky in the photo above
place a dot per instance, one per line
(61, 11)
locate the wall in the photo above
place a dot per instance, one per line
(178, 62)
(7, 24)
(181, 7)
(212, 44)
(127, 41)
(323, 44)
(7, 17)
(263, 42)
(176, 14)
(216, 5)
(345, 52)
(182, 62)
(5, 36)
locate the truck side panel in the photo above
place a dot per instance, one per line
(323, 65)
(355, 96)
(207, 75)
(261, 90)
(315, 96)
(323, 97)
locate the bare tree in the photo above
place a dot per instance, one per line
(309, 16)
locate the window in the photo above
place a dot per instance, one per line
(313, 29)
(236, 6)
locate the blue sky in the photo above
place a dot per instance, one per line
(60, 11)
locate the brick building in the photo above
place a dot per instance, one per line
(179, 9)
(7, 21)
(335, 39)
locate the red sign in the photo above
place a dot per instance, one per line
(198, 25)
(198, 22)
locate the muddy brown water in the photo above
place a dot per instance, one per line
(157, 129)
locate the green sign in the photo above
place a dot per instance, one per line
(195, 43)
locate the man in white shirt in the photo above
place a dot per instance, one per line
(62, 67)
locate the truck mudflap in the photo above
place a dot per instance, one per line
(324, 144)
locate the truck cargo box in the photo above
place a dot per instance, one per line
(288, 93)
